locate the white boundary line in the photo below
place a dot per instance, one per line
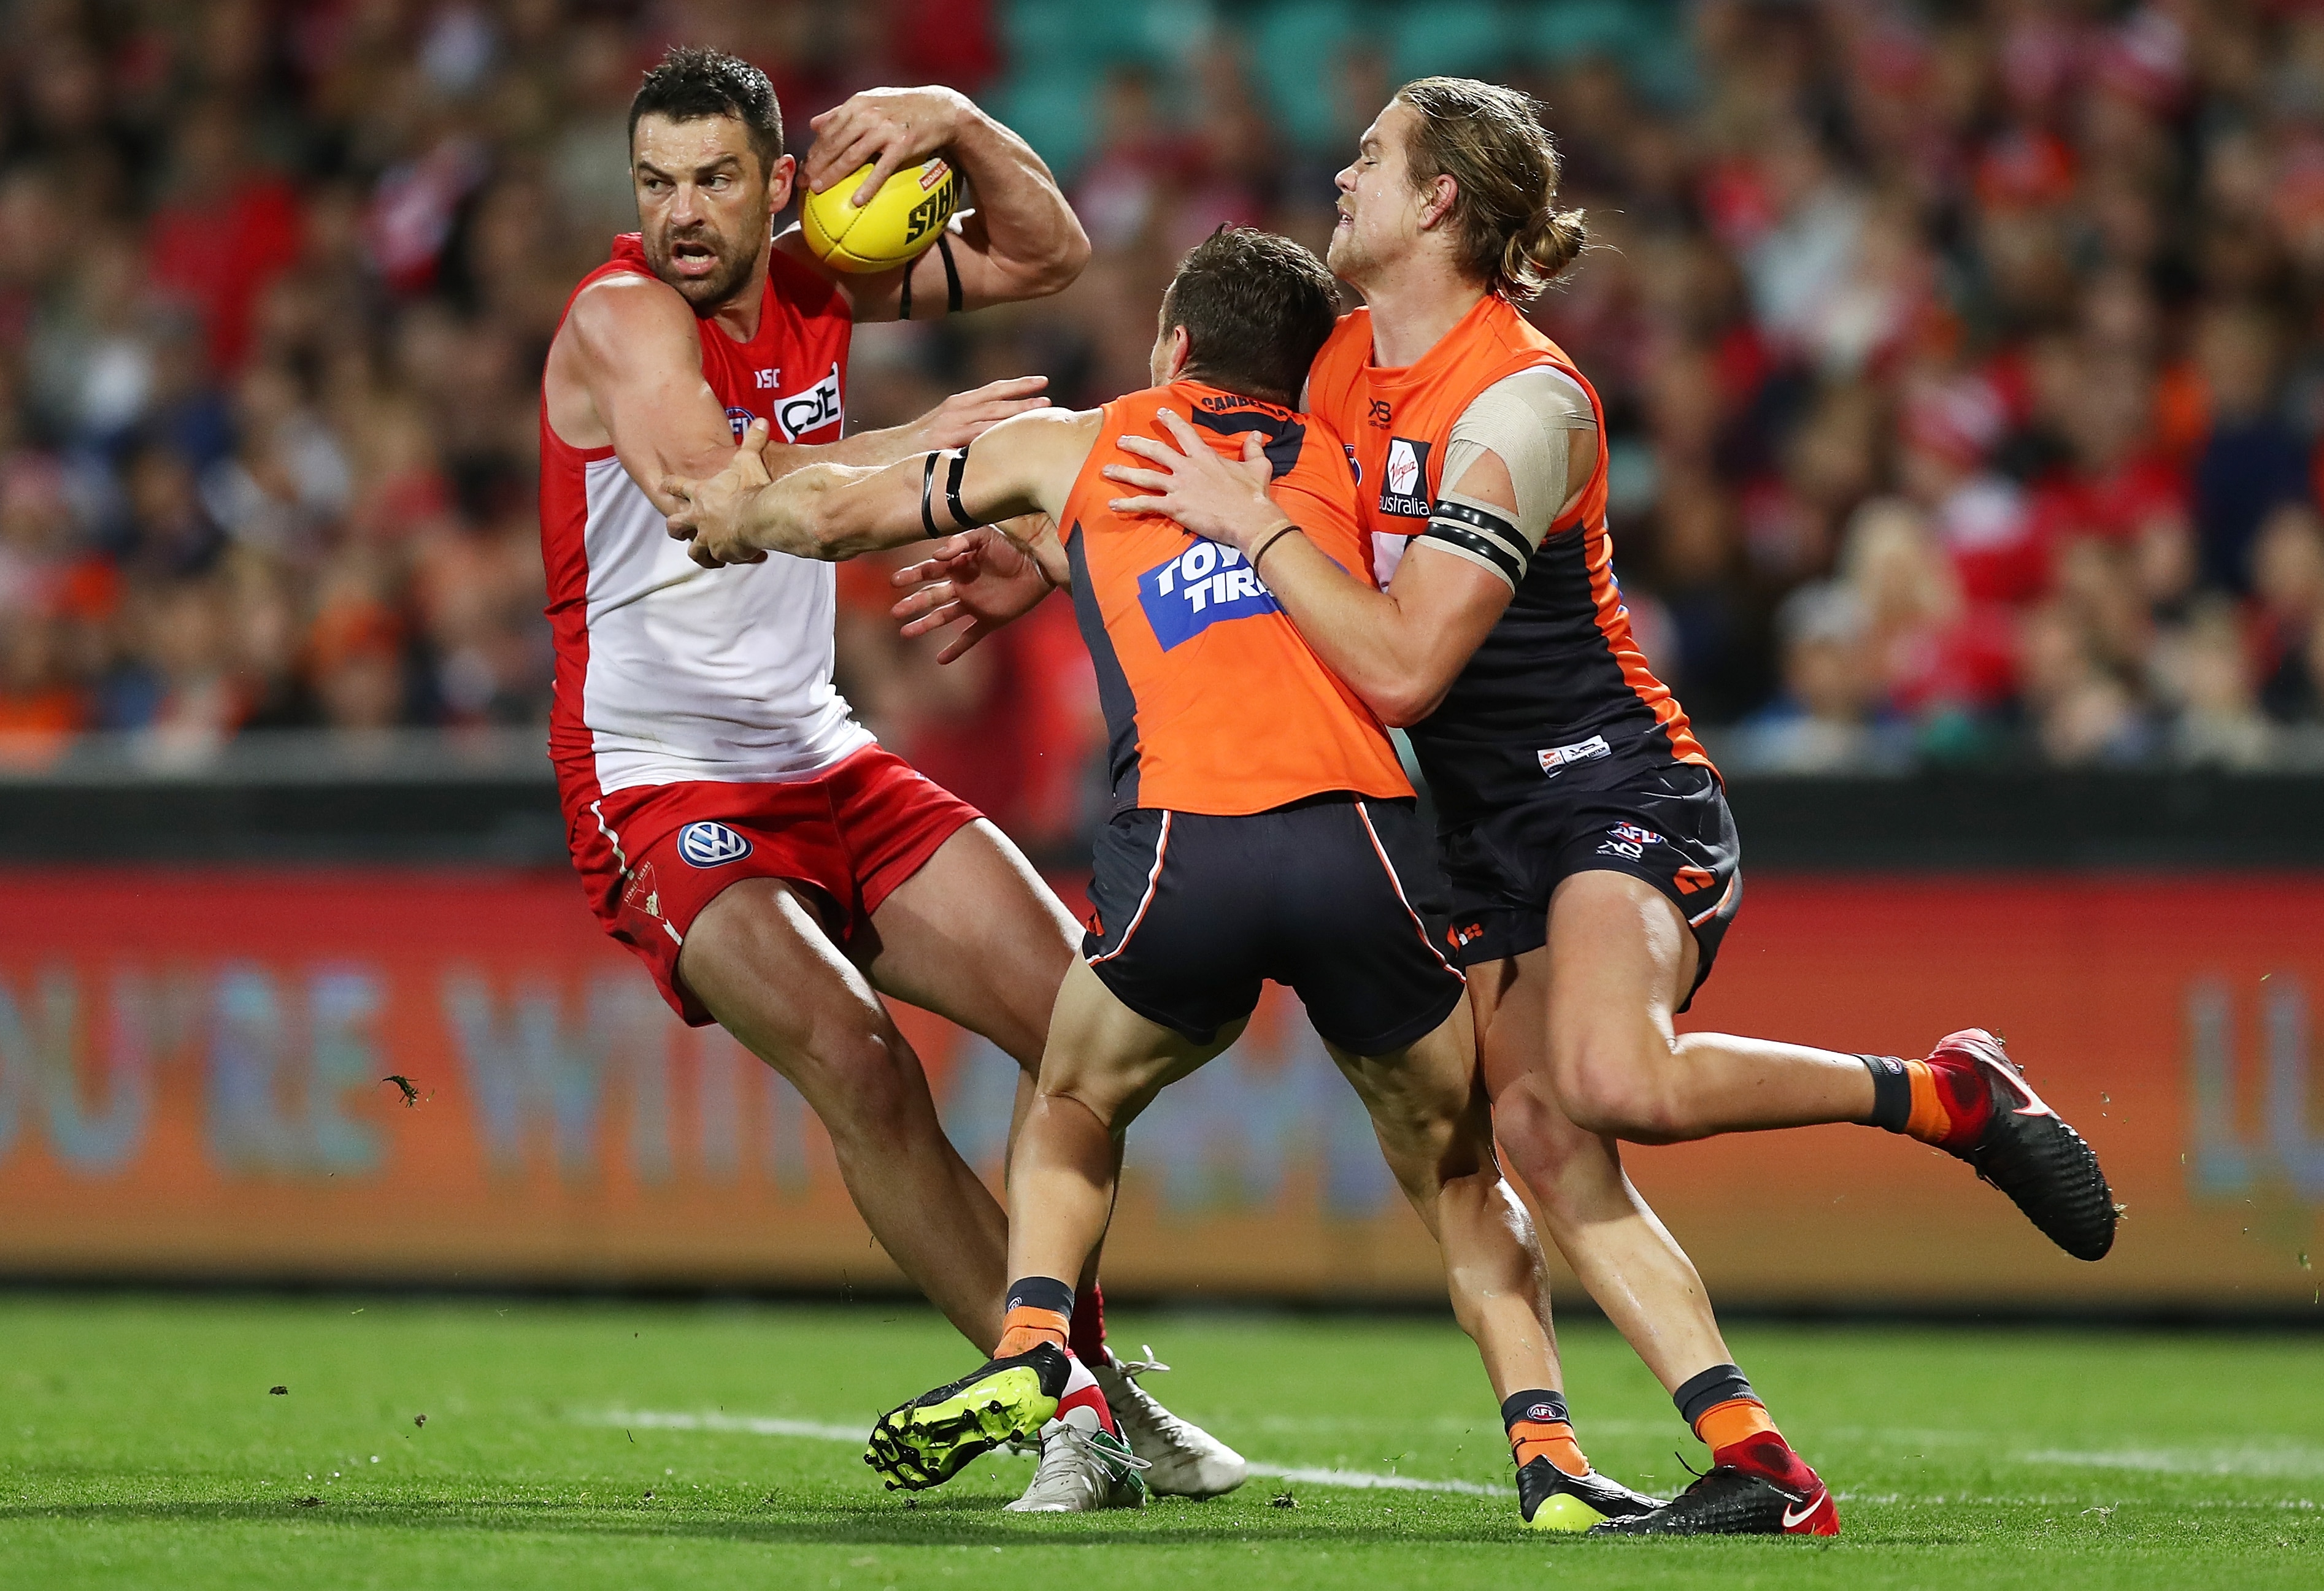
(816, 1430)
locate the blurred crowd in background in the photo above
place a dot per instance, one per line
(1961, 363)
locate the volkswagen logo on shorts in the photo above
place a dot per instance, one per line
(711, 845)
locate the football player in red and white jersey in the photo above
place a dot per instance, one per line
(776, 870)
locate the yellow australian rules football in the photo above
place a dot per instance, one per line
(903, 218)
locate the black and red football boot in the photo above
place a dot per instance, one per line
(2024, 1147)
(1760, 1487)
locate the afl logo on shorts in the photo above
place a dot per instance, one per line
(711, 845)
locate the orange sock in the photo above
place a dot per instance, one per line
(1738, 1420)
(1026, 1325)
(1540, 1428)
(1548, 1439)
(1930, 1122)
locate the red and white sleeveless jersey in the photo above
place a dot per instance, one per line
(667, 672)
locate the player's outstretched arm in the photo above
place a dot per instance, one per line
(626, 370)
(1022, 241)
(1399, 648)
(832, 510)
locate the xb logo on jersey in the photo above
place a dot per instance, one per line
(1203, 585)
(809, 410)
(711, 845)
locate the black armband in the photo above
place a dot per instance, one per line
(903, 301)
(1481, 537)
(952, 273)
(927, 495)
(952, 473)
(952, 488)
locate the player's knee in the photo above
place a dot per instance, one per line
(873, 1092)
(1611, 1087)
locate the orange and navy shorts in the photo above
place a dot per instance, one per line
(652, 857)
(1668, 826)
(1327, 895)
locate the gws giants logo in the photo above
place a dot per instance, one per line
(810, 410)
(711, 845)
(1199, 587)
(1404, 483)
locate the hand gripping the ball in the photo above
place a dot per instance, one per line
(890, 127)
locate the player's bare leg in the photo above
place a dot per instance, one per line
(1620, 957)
(1435, 1130)
(1433, 1122)
(759, 961)
(978, 938)
(1624, 1255)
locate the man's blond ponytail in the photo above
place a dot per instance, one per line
(1505, 172)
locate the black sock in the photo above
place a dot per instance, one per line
(1538, 1405)
(1718, 1385)
(1891, 1093)
(1041, 1292)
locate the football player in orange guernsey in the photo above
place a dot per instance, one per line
(1593, 863)
(1230, 857)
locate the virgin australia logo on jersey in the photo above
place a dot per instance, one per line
(1404, 483)
(1199, 587)
(711, 845)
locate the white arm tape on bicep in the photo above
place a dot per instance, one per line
(1523, 419)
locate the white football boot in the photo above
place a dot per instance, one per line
(1182, 1461)
(1083, 1469)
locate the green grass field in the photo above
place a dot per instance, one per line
(583, 1445)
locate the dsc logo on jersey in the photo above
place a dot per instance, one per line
(1199, 587)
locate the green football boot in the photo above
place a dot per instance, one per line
(926, 1443)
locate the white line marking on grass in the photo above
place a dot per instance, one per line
(1364, 1479)
(747, 1424)
(2268, 1462)
(816, 1430)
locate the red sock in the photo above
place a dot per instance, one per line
(1089, 1325)
(1083, 1394)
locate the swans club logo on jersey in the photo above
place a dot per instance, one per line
(1201, 586)
(711, 845)
(1404, 483)
(811, 409)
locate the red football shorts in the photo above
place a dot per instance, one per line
(652, 857)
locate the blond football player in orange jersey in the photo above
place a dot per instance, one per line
(1593, 863)
(1229, 858)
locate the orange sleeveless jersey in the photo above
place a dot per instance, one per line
(1212, 703)
(1561, 666)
